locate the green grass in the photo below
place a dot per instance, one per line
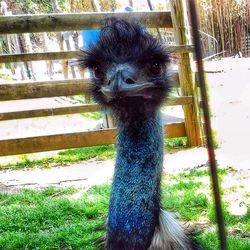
(175, 200)
(64, 157)
(81, 154)
(6, 77)
(176, 143)
(92, 115)
(210, 241)
(52, 219)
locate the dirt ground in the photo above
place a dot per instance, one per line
(230, 103)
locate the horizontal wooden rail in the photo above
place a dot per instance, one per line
(77, 21)
(72, 140)
(25, 57)
(73, 109)
(180, 48)
(41, 89)
(29, 90)
(76, 109)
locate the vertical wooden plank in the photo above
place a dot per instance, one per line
(187, 84)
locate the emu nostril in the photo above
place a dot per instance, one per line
(129, 81)
(109, 82)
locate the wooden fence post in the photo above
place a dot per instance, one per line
(187, 83)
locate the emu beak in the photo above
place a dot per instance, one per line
(122, 83)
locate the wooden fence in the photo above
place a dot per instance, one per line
(27, 90)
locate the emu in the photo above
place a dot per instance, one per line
(130, 75)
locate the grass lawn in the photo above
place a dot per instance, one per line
(54, 218)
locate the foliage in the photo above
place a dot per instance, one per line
(34, 7)
(83, 5)
(53, 219)
(6, 77)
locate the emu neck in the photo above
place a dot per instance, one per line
(134, 203)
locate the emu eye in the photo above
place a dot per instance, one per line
(98, 73)
(156, 69)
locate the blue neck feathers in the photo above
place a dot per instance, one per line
(134, 203)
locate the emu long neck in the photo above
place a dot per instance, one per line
(134, 203)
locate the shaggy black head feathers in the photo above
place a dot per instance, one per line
(125, 43)
(121, 41)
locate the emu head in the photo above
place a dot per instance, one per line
(129, 67)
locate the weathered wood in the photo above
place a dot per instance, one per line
(72, 140)
(175, 130)
(77, 21)
(29, 90)
(75, 109)
(186, 77)
(56, 142)
(40, 89)
(8, 58)
(180, 49)
(181, 100)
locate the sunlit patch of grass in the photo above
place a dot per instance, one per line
(66, 157)
(176, 143)
(6, 77)
(79, 154)
(185, 198)
(92, 115)
(231, 220)
(205, 172)
(209, 241)
(51, 219)
(42, 220)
